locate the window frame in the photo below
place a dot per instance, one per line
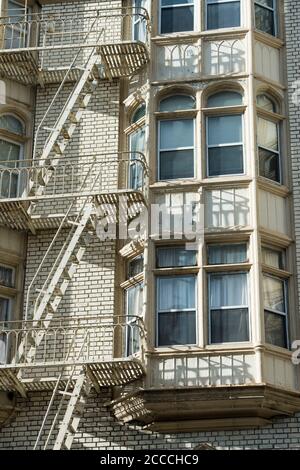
(27, 13)
(138, 20)
(131, 322)
(223, 1)
(18, 140)
(273, 9)
(195, 4)
(277, 312)
(207, 117)
(228, 273)
(13, 270)
(220, 244)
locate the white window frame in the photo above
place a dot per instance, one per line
(278, 152)
(275, 16)
(130, 135)
(176, 149)
(286, 306)
(195, 310)
(235, 307)
(235, 144)
(130, 323)
(219, 2)
(195, 4)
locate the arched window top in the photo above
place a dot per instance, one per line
(138, 114)
(264, 102)
(177, 103)
(12, 124)
(224, 98)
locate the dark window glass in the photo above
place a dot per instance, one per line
(177, 256)
(265, 16)
(223, 15)
(177, 16)
(230, 325)
(275, 327)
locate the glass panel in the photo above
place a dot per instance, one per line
(137, 144)
(274, 258)
(136, 266)
(267, 3)
(225, 161)
(229, 325)
(12, 124)
(266, 103)
(223, 15)
(4, 316)
(176, 328)
(176, 293)
(177, 103)
(275, 329)
(16, 35)
(166, 3)
(225, 98)
(171, 257)
(176, 134)
(269, 165)
(135, 301)
(264, 20)
(267, 134)
(9, 152)
(139, 113)
(228, 290)
(133, 339)
(274, 298)
(225, 130)
(139, 22)
(6, 276)
(177, 19)
(227, 254)
(177, 164)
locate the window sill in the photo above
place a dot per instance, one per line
(212, 349)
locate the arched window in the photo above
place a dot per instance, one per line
(11, 152)
(223, 14)
(268, 139)
(176, 138)
(265, 16)
(137, 147)
(225, 148)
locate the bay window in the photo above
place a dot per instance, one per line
(177, 16)
(225, 148)
(176, 297)
(223, 14)
(268, 140)
(275, 304)
(176, 138)
(265, 16)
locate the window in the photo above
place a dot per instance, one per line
(228, 305)
(134, 309)
(223, 14)
(5, 307)
(176, 16)
(268, 141)
(139, 22)
(16, 35)
(11, 153)
(275, 302)
(225, 152)
(136, 147)
(176, 298)
(6, 276)
(136, 266)
(265, 16)
(227, 254)
(273, 257)
(176, 139)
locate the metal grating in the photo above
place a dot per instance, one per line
(19, 66)
(124, 59)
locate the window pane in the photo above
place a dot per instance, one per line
(171, 257)
(229, 325)
(225, 98)
(225, 161)
(176, 328)
(274, 298)
(264, 20)
(4, 309)
(178, 164)
(133, 339)
(176, 293)
(139, 113)
(6, 276)
(136, 266)
(227, 254)
(267, 3)
(12, 124)
(266, 103)
(176, 134)
(225, 130)
(135, 300)
(228, 290)
(166, 3)
(9, 152)
(275, 328)
(269, 164)
(223, 15)
(177, 103)
(274, 258)
(267, 134)
(177, 19)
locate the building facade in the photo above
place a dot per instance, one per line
(149, 224)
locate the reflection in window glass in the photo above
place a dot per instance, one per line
(177, 16)
(223, 14)
(227, 254)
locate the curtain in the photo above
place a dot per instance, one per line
(228, 290)
(171, 257)
(267, 134)
(225, 130)
(272, 258)
(227, 254)
(176, 293)
(135, 300)
(274, 293)
(175, 134)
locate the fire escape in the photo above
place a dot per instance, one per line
(47, 350)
